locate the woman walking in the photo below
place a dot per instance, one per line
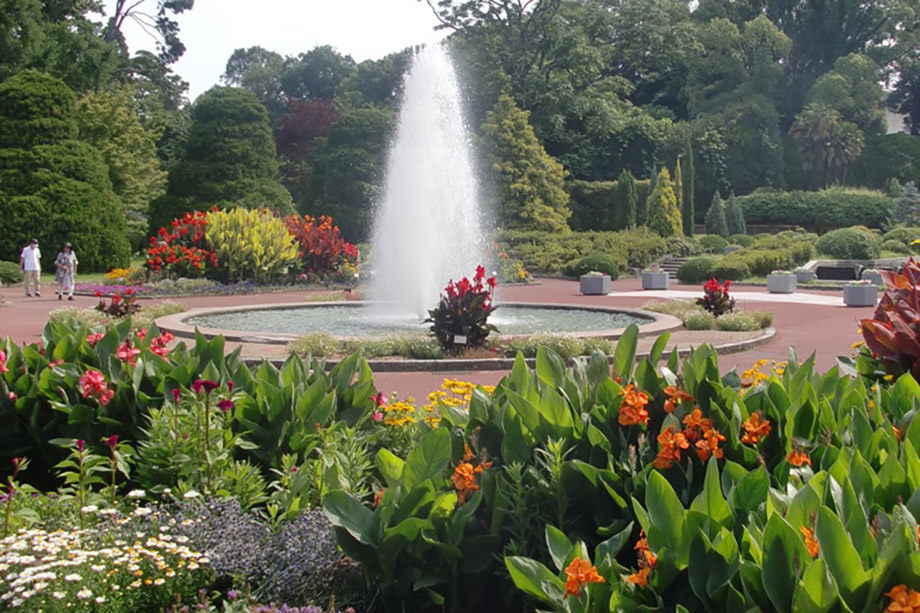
(66, 272)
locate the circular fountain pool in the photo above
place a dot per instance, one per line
(283, 322)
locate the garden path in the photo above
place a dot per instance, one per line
(809, 321)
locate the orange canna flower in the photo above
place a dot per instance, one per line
(797, 457)
(696, 425)
(579, 574)
(646, 562)
(464, 480)
(670, 442)
(709, 446)
(903, 600)
(633, 411)
(755, 428)
(675, 397)
(810, 543)
(641, 577)
(897, 433)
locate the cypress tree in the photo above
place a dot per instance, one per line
(679, 184)
(663, 213)
(687, 206)
(734, 217)
(627, 199)
(715, 217)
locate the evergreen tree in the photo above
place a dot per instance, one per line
(688, 211)
(663, 212)
(229, 160)
(906, 208)
(679, 184)
(53, 186)
(715, 217)
(734, 217)
(531, 191)
(627, 200)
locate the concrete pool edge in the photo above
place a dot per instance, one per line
(177, 325)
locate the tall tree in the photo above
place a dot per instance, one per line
(663, 212)
(530, 182)
(258, 70)
(318, 73)
(854, 89)
(734, 217)
(715, 217)
(679, 184)
(156, 20)
(688, 212)
(297, 133)
(828, 144)
(627, 199)
(229, 159)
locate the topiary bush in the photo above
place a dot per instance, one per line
(902, 234)
(896, 247)
(731, 269)
(10, 273)
(849, 244)
(696, 270)
(743, 240)
(737, 322)
(597, 262)
(830, 208)
(713, 243)
(684, 246)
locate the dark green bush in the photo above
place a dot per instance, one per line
(731, 269)
(697, 270)
(849, 244)
(10, 273)
(824, 210)
(904, 235)
(593, 205)
(684, 246)
(896, 247)
(597, 262)
(743, 240)
(713, 243)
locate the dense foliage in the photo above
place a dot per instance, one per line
(663, 209)
(821, 210)
(849, 244)
(460, 321)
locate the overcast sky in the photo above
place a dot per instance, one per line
(364, 29)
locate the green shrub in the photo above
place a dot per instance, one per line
(768, 253)
(737, 322)
(696, 270)
(422, 348)
(597, 262)
(896, 247)
(590, 345)
(701, 321)
(831, 208)
(715, 217)
(593, 205)
(902, 234)
(849, 244)
(764, 319)
(681, 309)
(10, 273)
(315, 344)
(713, 243)
(566, 346)
(731, 269)
(250, 244)
(684, 246)
(743, 240)
(72, 316)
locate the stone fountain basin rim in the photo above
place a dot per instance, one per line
(176, 324)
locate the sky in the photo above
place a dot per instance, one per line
(213, 29)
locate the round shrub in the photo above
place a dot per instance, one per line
(744, 240)
(896, 247)
(904, 235)
(713, 243)
(731, 269)
(10, 273)
(696, 270)
(683, 246)
(598, 262)
(849, 244)
(564, 346)
(700, 321)
(737, 322)
(315, 344)
(597, 344)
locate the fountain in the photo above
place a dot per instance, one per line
(428, 226)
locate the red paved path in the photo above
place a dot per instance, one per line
(828, 331)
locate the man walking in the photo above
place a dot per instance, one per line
(30, 261)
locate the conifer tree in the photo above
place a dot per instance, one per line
(715, 217)
(627, 199)
(734, 217)
(688, 211)
(663, 213)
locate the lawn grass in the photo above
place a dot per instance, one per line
(99, 277)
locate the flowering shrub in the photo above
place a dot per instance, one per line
(716, 299)
(249, 244)
(125, 276)
(322, 249)
(893, 334)
(122, 304)
(182, 250)
(461, 318)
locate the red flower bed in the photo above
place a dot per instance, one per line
(181, 251)
(323, 251)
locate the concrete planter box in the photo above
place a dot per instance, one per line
(875, 277)
(595, 286)
(804, 276)
(730, 249)
(781, 284)
(655, 280)
(860, 295)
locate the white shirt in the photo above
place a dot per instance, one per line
(30, 258)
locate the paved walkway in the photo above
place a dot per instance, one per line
(811, 321)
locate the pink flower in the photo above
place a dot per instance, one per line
(141, 334)
(105, 396)
(377, 416)
(204, 384)
(225, 405)
(80, 445)
(3, 367)
(92, 339)
(380, 399)
(127, 353)
(54, 363)
(176, 394)
(92, 382)
(13, 397)
(111, 442)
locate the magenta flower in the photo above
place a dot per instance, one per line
(111, 442)
(204, 384)
(377, 416)
(13, 397)
(230, 386)
(380, 399)
(176, 393)
(3, 367)
(225, 405)
(80, 445)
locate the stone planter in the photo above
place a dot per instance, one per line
(804, 276)
(595, 286)
(875, 277)
(781, 284)
(655, 280)
(860, 295)
(730, 249)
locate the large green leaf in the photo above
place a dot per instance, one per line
(529, 576)
(559, 546)
(816, 591)
(390, 466)
(782, 550)
(624, 358)
(348, 513)
(710, 502)
(427, 459)
(550, 367)
(842, 559)
(666, 516)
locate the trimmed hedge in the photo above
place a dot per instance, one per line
(593, 263)
(783, 250)
(850, 244)
(905, 235)
(713, 243)
(820, 211)
(596, 205)
(697, 270)
(731, 269)
(744, 240)
(10, 273)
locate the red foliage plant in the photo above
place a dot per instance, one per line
(181, 251)
(893, 333)
(716, 299)
(322, 248)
